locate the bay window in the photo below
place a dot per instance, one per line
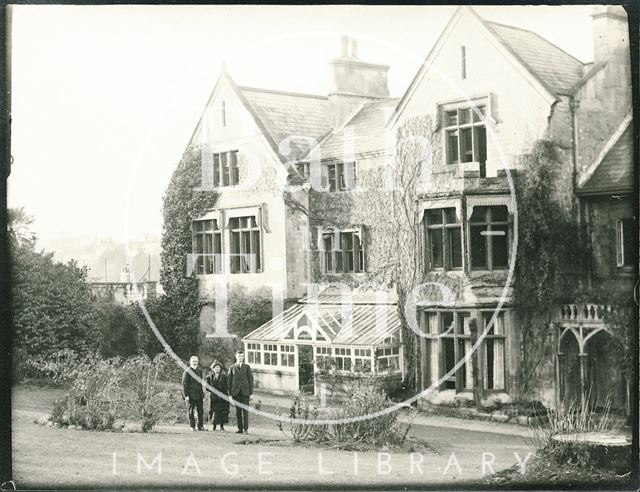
(489, 237)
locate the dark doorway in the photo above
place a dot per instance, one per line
(305, 368)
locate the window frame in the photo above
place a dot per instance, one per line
(226, 171)
(336, 259)
(208, 261)
(238, 263)
(457, 128)
(489, 223)
(493, 336)
(446, 229)
(339, 179)
(620, 243)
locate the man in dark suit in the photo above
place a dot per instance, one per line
(240, 384)
(193, 393)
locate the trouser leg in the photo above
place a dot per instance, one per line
(192, 420)
(245, 413)
(200, 409)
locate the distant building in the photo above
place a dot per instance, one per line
(126, 291)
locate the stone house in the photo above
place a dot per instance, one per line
(296, 213)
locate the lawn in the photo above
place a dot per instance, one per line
(59, 458)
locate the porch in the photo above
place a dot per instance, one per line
(587, 366)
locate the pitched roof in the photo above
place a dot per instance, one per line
(365, 130)
(613, 170)
(343, 324)
(289, 115)
(555, 68)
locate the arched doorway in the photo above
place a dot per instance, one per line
(604, 376)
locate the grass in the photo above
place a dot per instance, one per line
(47, 457)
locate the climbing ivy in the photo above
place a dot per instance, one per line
(176, 313)
(549, 260)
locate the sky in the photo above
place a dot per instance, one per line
(105, 98)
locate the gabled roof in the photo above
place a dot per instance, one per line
(281, 115)
(555, 68)
(612, 171)
(365, 131)
(289, 115)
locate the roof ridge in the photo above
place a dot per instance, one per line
(287, 93)
(509, 26)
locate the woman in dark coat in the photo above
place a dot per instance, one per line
(219, 406)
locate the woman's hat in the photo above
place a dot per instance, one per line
(216, 363)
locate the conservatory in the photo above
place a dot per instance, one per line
(327, 335)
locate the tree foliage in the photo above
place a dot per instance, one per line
(52, 303)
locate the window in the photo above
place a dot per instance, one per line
(625, 242)
(455, 343)
(489, 241)
(343, 252)
(443, 238)
(493, 360)
(253, 353)
(287, 357)
(225, 168)
(466, 136)
(270, 354)
(303, 170)
(362, 360)
(341, 176)
(245, 245)
(463, 59)
(323, 358)
(342, 357)
(388, 359)
(207, 245)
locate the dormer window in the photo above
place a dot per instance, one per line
(225, 169)
(466, 136)
(341, 176)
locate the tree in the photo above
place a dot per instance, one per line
(52, 304)
(19, 227)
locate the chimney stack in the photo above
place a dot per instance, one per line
(611, 46)
(354, 82)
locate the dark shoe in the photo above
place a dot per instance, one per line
(246, 431)
(201, 428)
(214, 427)
(238, 431)
(222, 428)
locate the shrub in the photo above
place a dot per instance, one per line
(360, 401)
(94, 396)
(141, 392)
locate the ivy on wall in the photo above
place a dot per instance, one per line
(550, 258)
(176, 314)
